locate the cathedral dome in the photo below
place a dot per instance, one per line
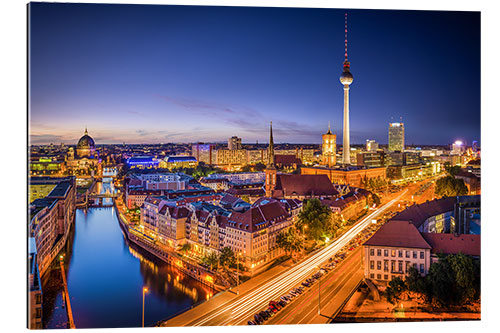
(85, 146)
(86, 142)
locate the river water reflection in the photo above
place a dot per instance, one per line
(105, 278)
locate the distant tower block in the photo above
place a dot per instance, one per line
(329, 157)
(346, 79)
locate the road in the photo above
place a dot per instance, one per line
(335, 288)
(255, 294)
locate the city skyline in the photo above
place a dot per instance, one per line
(162, 79)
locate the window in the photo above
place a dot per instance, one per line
(38, 299)
(400, 266)
(386, 265)
(38, 312)
(407, 254)
(372, 275)
(393, 253)
(400, 253)
(393, 265)
(379, 265)
(415, 254)
(385, 277)
(372, 252)
(372, 264)
(421, 268)
(378, 276)
(415, 266)
(386, 253)
(379, 252)
(421, 254)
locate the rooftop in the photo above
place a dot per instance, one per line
(454, 244)
(398, 234)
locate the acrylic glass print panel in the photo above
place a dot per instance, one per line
(213, 166)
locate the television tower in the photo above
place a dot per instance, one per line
(346, 79)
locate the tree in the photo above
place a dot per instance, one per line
(290, 241)
(211, 259)
(186, 247)
(227, 257)
(451, 170)
(464, 273)
(317, 219)
(450, 186)
(394, 290)
(259, 166)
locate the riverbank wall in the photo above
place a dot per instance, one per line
(189, 268)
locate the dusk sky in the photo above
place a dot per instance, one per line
(158, 74)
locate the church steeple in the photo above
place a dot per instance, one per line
(270, 163)
(86, 132)
(270, 169)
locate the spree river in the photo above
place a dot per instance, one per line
(106, 275)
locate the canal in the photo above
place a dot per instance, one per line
(106, 275)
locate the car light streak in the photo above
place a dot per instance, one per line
(244, 306)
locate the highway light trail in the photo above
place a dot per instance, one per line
(243, 307)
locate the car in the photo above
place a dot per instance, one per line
(250, 322)
(257, 318)
(272, 308)
(264, 315)
(282, 303)
(275, 304)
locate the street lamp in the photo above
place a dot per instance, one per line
(238, 273)
(144, 291)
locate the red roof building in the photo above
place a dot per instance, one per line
(303, 186)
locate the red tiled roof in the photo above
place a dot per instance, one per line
(258, 217)
(398, 234)
(451, 244)
(305, 185)
(228, 200)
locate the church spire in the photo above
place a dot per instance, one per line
(271, 148)
(329, 129)
(86, 132)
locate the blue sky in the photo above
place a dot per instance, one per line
(150, 74)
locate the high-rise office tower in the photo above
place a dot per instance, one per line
(396, 137)
(371, 145)
(234, 143)
(346, 79)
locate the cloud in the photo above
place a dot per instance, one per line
(37, 139)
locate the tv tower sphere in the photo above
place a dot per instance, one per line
(346, 76)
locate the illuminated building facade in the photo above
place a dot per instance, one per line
(329, 148)
(35, 288)
(353, 176)
(234, 143)
(371, 145)
(396, 137)
(230, 159)
(51, 217)
(203, 152)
